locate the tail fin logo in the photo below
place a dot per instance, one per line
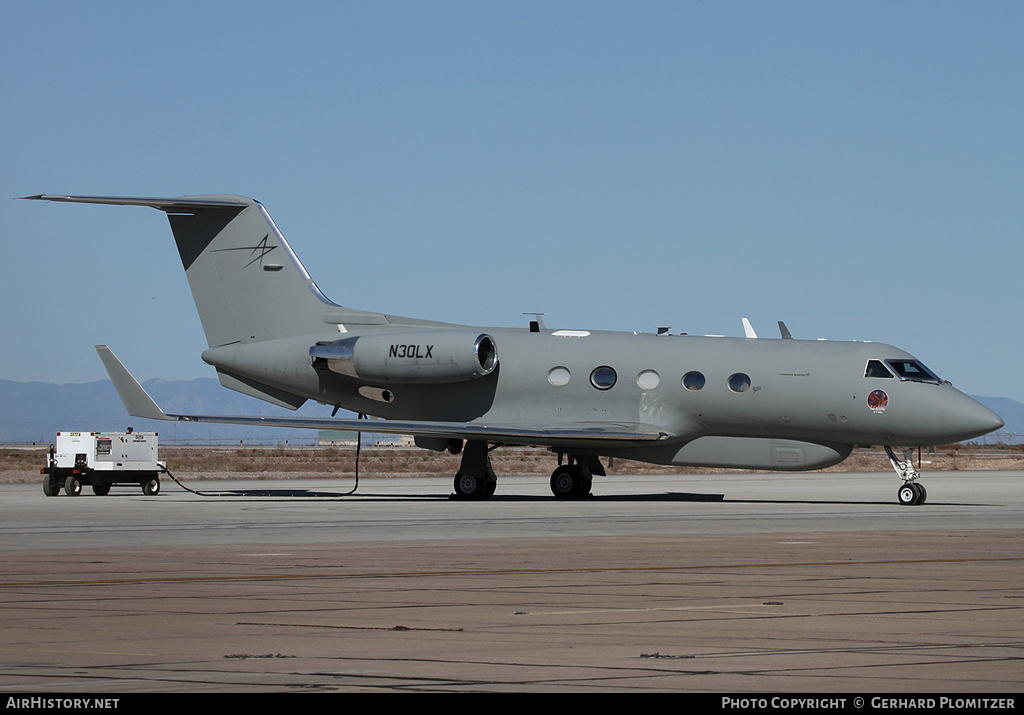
(258, 251)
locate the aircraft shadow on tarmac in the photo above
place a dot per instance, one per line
(689, 497)
(434, 496)
(354, 493)
(285, 494)
(294, 493)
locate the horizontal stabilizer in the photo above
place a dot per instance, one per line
(182, 203)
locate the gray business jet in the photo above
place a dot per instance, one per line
(750, 403)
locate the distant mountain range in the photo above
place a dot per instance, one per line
(1012, 413)
(36, 411)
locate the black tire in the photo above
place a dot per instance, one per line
(101, 490)
(489, 487)
(151, 486)
(51, 486)
(568, 482)
(908, 494)
(468, 486)
(72, 486)
(588, 485)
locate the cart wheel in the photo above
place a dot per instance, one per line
(101, 490)
(73, 486)
(151, 487)
(51, 487)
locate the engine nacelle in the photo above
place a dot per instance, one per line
(410, 357)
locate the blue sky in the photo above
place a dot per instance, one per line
(855, 169)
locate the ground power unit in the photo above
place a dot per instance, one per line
(101, 460)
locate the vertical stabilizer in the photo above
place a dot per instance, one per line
(246, 281)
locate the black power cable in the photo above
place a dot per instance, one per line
(359, 446)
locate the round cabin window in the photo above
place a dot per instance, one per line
(559, 376)
(693, 381)
(603, 378)
(739, 382)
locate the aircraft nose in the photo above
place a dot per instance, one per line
(968, 418)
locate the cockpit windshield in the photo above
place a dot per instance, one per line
(912, 370)
(877, 369)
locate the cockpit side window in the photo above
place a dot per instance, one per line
(876, 368)
(912, 370)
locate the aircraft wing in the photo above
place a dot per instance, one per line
(139, 404)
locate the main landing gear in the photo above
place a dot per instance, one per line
(910, 492)
(574, 480)
(476, 480)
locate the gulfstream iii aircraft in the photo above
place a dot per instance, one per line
(752, 403)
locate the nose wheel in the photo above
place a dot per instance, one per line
(911, 492)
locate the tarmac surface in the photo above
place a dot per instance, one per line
(732, 583)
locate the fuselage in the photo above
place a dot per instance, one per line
(837, 393)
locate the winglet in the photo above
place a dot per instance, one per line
(748, 329)
(135, 399)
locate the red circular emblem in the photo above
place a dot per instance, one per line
(878, 400)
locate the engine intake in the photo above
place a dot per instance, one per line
(409, 357)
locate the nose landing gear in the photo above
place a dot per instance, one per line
(910, 493)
